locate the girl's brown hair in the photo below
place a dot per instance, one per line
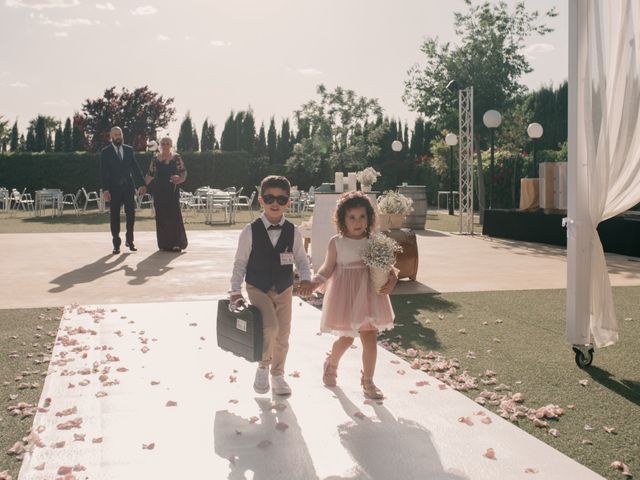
(351, 200)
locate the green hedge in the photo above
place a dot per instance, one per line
(70, 171)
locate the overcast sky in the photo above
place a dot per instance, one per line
(214, 56)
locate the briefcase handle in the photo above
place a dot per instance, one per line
(238, 306)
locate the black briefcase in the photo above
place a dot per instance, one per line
(240, 331)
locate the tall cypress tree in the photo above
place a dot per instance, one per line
(67, 141)
(14, 138)
(417, 139)
(185, 136)
(229, 139)
(57, 143)
(22, 143)
(195, 144)
(284, 143)
(212, 136)
(206, 143)
(272, 141)
(261, 144)
(304, 129)
(40, 144)
(31, 141)
(78, 134)
(248, 134)
(405, 140)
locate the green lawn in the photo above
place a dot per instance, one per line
(532, 350)
(26, 339)
(94, 221)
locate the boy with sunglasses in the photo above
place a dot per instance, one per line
(267, 250)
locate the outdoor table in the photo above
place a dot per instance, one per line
(446, 192)
(216, 199)
(48, 198)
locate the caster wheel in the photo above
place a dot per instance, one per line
(583, 358)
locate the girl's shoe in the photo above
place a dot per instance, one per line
(370, 390)
(330, 374)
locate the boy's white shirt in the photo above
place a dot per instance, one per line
(245, 242)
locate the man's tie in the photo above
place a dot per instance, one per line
(275, 227)
(119, 154)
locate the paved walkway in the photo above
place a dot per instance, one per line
(130, 398)
(64, 268)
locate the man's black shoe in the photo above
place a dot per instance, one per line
(116, 251)
(132, 247)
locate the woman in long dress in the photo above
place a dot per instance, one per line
(167, 171)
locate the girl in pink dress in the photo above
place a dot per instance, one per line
(351, 307)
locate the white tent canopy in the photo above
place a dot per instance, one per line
(604, 153)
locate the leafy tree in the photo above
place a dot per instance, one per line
(489, 57)
(14, 138)
(67, 140)
(41, 126)
(140, 113)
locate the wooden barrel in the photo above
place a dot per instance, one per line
(418, 217)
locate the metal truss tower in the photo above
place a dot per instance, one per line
(465, 102)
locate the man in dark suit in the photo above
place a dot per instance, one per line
(118, 168)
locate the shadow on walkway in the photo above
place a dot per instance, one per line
(390, 447)
(88, 273)
(260, 448)
(154, 265)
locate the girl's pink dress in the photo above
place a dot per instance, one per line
(350, 304)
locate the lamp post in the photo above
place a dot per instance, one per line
(535, 131)
(492, 120)
(396, 146)
(452, 140)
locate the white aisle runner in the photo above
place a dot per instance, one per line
(141, 391)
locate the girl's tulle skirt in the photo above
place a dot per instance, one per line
(351, 305)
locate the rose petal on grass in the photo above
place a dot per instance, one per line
(554, 432)
(588, 428)
(587, 442)
(623, 467)
(583, 382)
(611, 430)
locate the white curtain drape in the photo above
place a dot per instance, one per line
(604, 153)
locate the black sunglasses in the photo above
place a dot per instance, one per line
(281, 199)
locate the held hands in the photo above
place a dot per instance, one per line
(142, 190)
(306, 288)
(388, 287)
(175, 179)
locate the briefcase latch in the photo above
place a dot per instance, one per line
(241, 324)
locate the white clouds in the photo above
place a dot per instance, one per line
(18, 85)
(40, 4)
(146, 10)
(535, 49)
(309, 71)
(219, 43)
(56, 103)
(67, 22)
(105, 6)
(162, 38)
(62, 34)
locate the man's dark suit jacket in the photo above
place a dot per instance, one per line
(119, 175)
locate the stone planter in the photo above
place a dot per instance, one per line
(390, 221)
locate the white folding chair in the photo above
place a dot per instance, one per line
(90, 197)
(219, 202)
(23, 200)
(71, 199)
(144, 199)
(244, 201)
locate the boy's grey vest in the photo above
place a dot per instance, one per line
(263, 269)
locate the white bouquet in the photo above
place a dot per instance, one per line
(368, 176)
(393, 202)
(379, 255)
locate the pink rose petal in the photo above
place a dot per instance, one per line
(281, 426)
(490, 454)
(148, 446)
(253, 419)
(96, 440)
(171, 403)
(208, 375)
(530, 470)
(264, 444)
